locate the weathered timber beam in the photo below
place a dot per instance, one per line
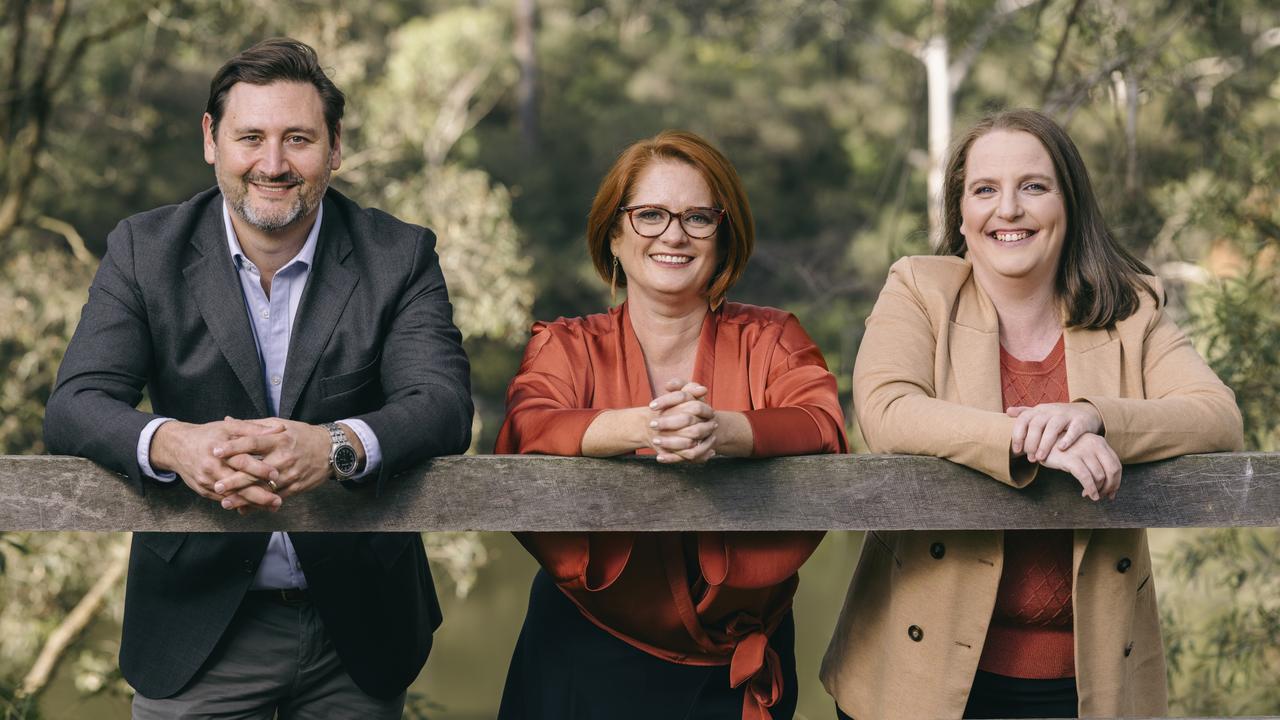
(820, 492)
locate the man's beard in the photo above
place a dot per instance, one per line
(272, 217)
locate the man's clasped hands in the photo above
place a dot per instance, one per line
(245, 465)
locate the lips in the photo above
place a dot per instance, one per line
(671, 259)
(273, 189)
(1011, 236)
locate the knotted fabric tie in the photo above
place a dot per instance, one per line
(756, 664)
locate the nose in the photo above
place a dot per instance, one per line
(272, 162)
(1010, 207)
(674, 234)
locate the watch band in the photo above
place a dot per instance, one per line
(342, 455)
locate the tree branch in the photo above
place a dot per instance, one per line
(76, 621)
(1061, 51)
(901, 41)
(1266, 40)
(72, 236)
(999, 15)
(88, 40)
(13, 98)
(29, 141)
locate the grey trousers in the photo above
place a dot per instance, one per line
(275, 661)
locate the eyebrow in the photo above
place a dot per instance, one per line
(294, 130)
(1031, 176)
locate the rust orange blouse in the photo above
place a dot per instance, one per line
(639, 586)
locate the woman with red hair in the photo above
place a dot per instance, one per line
(678, 624)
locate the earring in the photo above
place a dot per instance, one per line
(613, 283)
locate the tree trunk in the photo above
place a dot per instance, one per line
(934, 55)
(527, 90)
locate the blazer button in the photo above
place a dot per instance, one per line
(937, 550)
(1123, 565)
(915, 633)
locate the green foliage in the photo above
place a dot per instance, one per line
(42, 292)
(46, 575)
(1223, 659)
(1240, 329)
(819, 103)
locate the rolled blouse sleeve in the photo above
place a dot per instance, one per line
(801, 413)
(545, 413)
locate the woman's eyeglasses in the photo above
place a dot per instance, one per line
(652, 220)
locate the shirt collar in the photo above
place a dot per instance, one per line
(304, 257)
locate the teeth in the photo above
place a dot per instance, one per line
(1012, 236)
(675, 259)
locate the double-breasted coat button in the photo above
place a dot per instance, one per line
(247, 566)
(937, 550)
(915, 633)
(1123, 565)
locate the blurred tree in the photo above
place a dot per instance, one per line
(41, 60)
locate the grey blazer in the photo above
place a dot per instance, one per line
(373, 339)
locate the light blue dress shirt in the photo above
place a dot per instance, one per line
(272, 322)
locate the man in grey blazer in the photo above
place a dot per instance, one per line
(287, 338)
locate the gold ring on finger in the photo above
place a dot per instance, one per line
(272, 484)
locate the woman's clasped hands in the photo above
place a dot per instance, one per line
(681, 426)
(1068, 437)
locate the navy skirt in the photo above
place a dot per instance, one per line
(566, 668)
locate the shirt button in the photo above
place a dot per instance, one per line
(1123, 565)
(266, 314)
(915, 633)
(275, 380)
(937, 550)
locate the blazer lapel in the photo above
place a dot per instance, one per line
(1093, 363)
(329, 287)
(214, 285)
(974, 350)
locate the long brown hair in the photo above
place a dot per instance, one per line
(736, 235)
(1098, 280)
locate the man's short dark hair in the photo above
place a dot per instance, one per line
(277, 60)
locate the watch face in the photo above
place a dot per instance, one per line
(344, 461)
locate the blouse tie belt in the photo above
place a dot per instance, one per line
(756, 664)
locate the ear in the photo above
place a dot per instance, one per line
(210, 143)
(335, 152)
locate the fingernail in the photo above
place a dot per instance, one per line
(653, 423)
(653, 405)
(657, 441)
(711, 454)
(219, 487)
(217, 452)
(226, 503)
(275, 475)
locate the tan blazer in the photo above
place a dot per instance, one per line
(927, 382)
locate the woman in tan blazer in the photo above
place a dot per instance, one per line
(1033, 342)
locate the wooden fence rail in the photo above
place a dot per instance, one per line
(820, 492)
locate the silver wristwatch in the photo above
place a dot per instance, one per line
(342, 456)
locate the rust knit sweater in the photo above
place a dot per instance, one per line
(1031, 634)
